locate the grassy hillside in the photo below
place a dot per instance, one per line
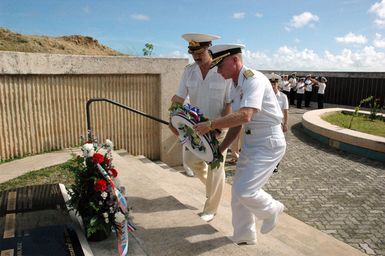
(75, 44)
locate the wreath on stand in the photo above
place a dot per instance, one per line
(97, 197)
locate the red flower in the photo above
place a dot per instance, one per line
(113, 172)
(98, 158)
(107, 161)
(100, 185)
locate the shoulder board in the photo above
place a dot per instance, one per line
(248, 73)
(189, 65)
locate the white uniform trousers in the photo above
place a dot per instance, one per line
(262, 150)
(214, 180)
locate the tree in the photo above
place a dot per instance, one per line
(147, 50)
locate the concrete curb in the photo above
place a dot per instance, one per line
(355, 142)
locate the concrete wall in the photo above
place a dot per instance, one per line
(147, 82)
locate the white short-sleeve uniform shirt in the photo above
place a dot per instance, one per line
(293, 83)
(210, 95)
(285, 85)
(321, 88)
(282, 100)
(256, 92)
(300, 87)
(309, 85)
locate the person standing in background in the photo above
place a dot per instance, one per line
(282, 100)
(293, 86)
(283, 103)
(320, 82)
(308, 90)
(285, 85)
(300, 91)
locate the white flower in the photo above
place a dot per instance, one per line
(88, 150)
(106, 220)
(119, 217)
(104, 194)
(109, 144)
(105, 215)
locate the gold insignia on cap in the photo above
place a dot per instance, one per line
(193, 43)
(218, 59)
(248, 73)
(197, 51)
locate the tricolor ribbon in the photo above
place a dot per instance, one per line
(125, 226)
(193, 111)
(122, 237)
(122, 232)
(121, 200)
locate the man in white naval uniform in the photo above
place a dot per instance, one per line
(282, 99)
(210, 92)
(264, 144)
(320, 82)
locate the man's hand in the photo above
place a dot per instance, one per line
(284, 127)
(176, 101)
(203, 127)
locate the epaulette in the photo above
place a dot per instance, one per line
(248, 73)
(189, 65)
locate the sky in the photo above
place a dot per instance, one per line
(318, 35)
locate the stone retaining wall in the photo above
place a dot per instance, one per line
(44, 96)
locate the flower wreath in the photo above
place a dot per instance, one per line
(192, 113)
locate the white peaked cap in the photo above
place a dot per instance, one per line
(221, 51)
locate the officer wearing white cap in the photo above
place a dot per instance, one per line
(282, 99)
(210, 92)
(320, 82)
(308, 90)
(300, 91)
(293, 86)
(283, 103)
(264, 144)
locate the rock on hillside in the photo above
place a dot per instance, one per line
(76, 44)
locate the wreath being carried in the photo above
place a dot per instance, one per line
(206, 147)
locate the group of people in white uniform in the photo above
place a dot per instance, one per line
(236, 99)
(301, 89)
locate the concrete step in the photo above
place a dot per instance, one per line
(290, 237)
(165, 225)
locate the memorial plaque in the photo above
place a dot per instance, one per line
(10, 224)
(34, 221)
(11, 203)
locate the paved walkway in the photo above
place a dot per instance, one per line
(336, 192)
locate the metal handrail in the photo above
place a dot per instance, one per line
(119, 105)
